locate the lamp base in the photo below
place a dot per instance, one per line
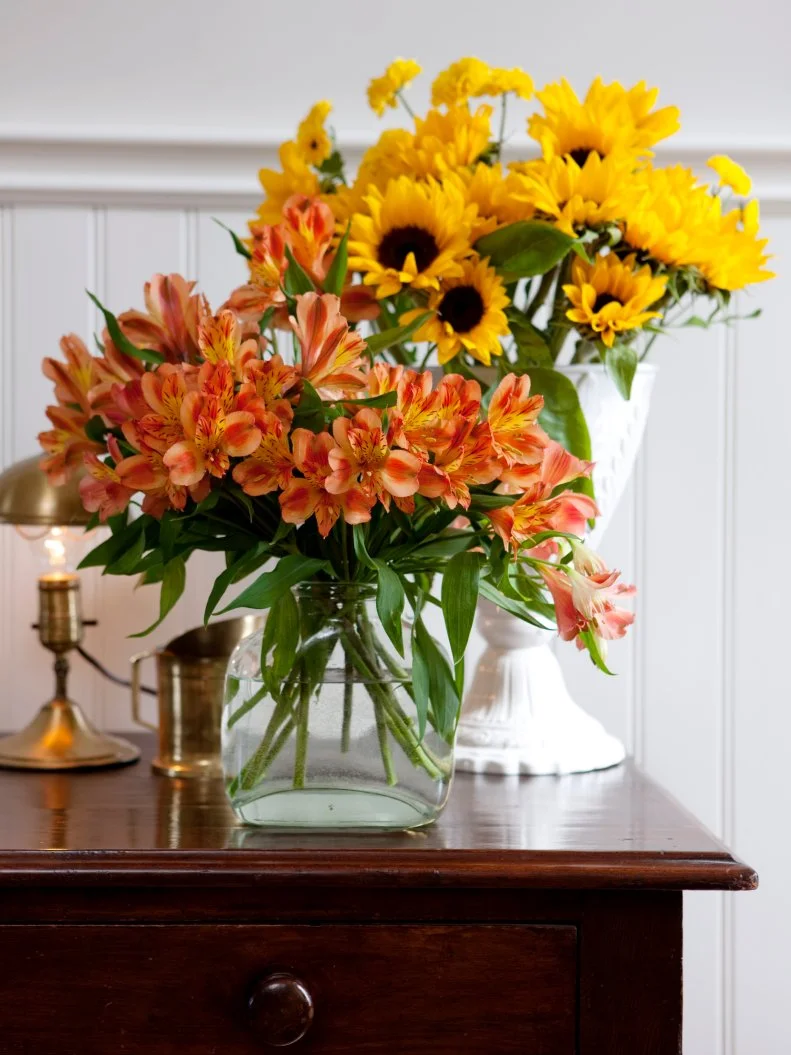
(61, 737)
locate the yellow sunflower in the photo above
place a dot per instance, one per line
(314, 144)
(413, 234)
(447, 141)
(468, 314)
(677, 221)
(514, 81)
(486, 187)
(470, 78)
(380, 163)
(609, 296)
(570, 195)
(610, 119)
(383, 91)
(296, 178)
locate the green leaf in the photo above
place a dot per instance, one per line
(532, 348)
(562, 415)
(508, 604)
(333, 165)
(120, 340)
(420, 686)
(125, 564)
(386, 399)
(268, 587)
(336, 276)
(239, 245)
(621, 363)
(244, 565)
(390, 599)
(296, 280)
(309, 413)
(111, 549)
(525, 248)
(360, 548)
(459, 598)
(442, 692)
(96, 430)
(174, 578)
(590, 641)
(285, 613)
(378, 342)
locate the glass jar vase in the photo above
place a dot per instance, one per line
(334, 740)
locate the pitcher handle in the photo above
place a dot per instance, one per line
(135, 686)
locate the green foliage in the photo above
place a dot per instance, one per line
(525, 248)
(562, 416)
(390, 599)
(436, 694)
(174, 578)
(296, 280)
(621, 363)
(379, 342)
(310, 411)
(239, 568)
(459, 597)
(121, 341)
(238, 244)
(268, 587)
(531, 346)
(336, 276)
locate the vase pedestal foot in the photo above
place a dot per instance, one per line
(519, 717)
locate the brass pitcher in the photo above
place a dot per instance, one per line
(190, 687)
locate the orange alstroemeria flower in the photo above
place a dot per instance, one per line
(171, 325)
(103, 491)
(268, 387)
(220, 341)
(308, 495)
(147, 472)
(215, 431)
(467, 459)
(76, 378)
(588, 602)
(414, 422)
(363, 457)
(164, 391)
(513, 415)
(66, 444)
(270, 465)
(309, 228)
(332, 354)
(382, 378)
(267, 265)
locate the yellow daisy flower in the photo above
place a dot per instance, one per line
(296, 178)
(382, 91)
(515, 81)
(731, 175)
(611, 118)
(468, 314)
(313, 142)
(414, 234)
(570, 195)
(609, 296)
(460, 81)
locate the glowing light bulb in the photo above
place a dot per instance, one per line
(58, 550)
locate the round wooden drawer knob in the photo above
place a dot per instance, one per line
(281, 1010)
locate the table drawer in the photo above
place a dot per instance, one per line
(203, 989)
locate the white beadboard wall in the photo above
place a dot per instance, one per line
(700, 696)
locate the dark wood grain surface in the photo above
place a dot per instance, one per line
(614, 829)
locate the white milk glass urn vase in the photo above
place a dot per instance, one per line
(518, 714)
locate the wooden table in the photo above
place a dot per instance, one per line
(540, 916)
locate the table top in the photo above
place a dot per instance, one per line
(611, 829)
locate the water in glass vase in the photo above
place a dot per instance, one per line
(334, 741)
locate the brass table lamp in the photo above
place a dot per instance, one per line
(60, 736)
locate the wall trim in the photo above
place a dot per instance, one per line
(190, 168)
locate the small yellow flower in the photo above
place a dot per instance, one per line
(382, 91)
(460, 81)
(609, 296)
(312, 140)
(468, 314)
(514, 80)
(731, 175)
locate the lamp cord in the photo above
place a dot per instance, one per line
(111, 677)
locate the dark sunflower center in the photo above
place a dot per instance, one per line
(462, 308)
(603, 300)
(581, 155)
(314, 145)
(398, 243)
